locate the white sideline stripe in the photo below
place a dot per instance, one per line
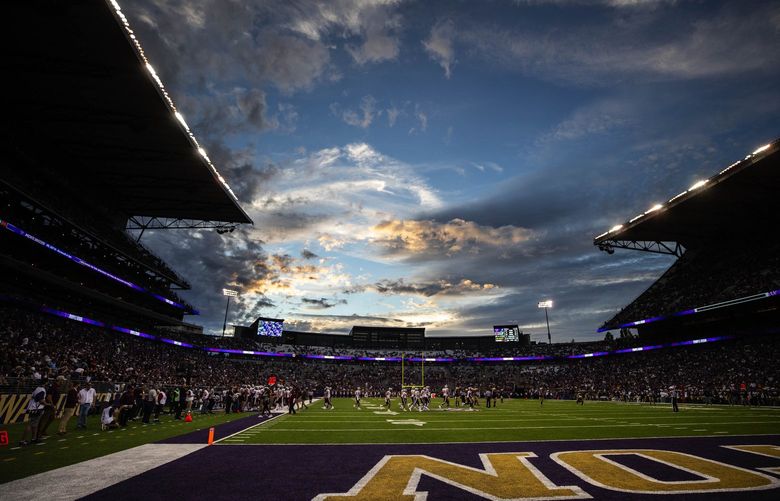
(260, 423)
(81, 479)
(666, 437)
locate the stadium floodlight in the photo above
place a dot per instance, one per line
(697, 185)
(229, 293)
(654, 208)
(181, 120)
(615, 228)
(763, 148)
(546, 304)
(142, 55)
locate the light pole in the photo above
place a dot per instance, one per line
(547, 303)
(229, 293)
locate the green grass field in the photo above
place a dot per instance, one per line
(81, 445)
(514, 420)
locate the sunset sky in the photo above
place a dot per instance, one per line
(447, 163)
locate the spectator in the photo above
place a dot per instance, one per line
(86, 399)
(34, 412)
(71, 400)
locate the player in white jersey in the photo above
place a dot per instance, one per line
(388, 394)
(425, 397)
(445, 395)
(404, 397)
(357, 399)
(326, 396)
(415, 399)
(469, 398)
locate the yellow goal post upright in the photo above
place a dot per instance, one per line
(404, 383)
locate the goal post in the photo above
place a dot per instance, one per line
(409, 380)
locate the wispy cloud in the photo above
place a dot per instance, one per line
(363, 117)
(613, 51)
(439, 45)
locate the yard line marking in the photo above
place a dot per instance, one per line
(353, 430)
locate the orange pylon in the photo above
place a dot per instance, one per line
(211, 435)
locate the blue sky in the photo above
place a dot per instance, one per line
(447, 164)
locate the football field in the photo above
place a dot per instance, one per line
(517, 450)
(511, 421)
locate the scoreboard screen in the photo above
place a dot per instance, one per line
(506, 333)
(270, 327)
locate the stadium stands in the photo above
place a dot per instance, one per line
(38, 346)
(727, 275)
(96, 146)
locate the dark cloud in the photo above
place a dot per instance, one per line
(210, 262)
(322, 303)
(430, 289)
(307, 254)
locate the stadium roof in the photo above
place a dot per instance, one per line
(739, 201)
(85, 102)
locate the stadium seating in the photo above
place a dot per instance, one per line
(38, 346)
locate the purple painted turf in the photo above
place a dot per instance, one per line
(282, 472)
(220, 431)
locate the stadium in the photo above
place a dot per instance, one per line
(110, 388)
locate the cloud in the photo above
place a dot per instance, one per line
(334, 196)
(439, 45)
(392, 115)
(596, 118)
(379, 30)
(422, 119)
(363, 117)
(322, 303)
(614, 50)
(428, 237)
(307, 254)
(430, 289)
(608, 3)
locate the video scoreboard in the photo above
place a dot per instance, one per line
(507, 333)
(270, 327)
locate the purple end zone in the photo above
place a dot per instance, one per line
(304, 471)
(220, 431)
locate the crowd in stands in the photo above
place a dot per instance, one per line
(705, 276)
(506, 350)
(36, 347)
(93, 239)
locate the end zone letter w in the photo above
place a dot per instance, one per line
(504, 476)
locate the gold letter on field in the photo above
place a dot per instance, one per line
(597, 468)
(505, 476)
